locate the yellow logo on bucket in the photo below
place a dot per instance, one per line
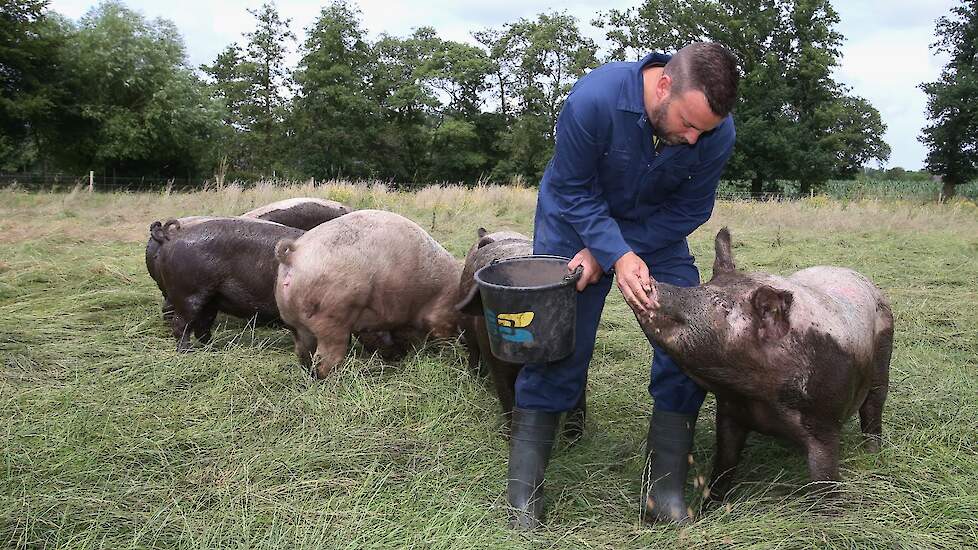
(510, 326)
(517, 320)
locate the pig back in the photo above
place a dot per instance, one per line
(377, 262)
(233, 258)
(842, 304)
(302, 213)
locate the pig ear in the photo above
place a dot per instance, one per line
(772, 307)
(484, 238)
(471, 304)
(724, 257)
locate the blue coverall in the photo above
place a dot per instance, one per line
(607, 189)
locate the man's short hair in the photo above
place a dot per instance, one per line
(709, 68)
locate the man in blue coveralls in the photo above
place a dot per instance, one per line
(639, 152)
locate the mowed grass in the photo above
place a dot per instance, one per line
(111, 439)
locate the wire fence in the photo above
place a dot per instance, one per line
(781, 190)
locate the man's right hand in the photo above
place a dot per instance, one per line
(592, 269)
(635, 282)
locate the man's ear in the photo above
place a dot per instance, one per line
(772, 307)
(663, 86)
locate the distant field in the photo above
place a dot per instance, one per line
(112, 439)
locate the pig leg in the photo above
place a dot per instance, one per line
(731, 436)
(472, 346)
(205, 320)
(186, 313)
(167, 309)
(180, 331)
(331, 348)
(504, 380)
(871, 411)
(823, 457)
(576, 417)
(305, 347)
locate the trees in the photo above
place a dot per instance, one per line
(534, 64)
(136, 106)
(333, 118)
(252, 83)
(32, 92)
(793, 120)
(952, 138)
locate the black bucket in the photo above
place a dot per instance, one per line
(530, 303)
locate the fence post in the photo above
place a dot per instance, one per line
(91, 180)
(811, 193)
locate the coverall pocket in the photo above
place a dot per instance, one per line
(615, 181)
(664, 182)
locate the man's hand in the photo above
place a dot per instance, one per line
(592, 269)
(635, 282)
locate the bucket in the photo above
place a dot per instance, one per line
(530, 305)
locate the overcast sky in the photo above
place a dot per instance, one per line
(884, 57)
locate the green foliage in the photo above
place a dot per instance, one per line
(32, 91)
(793, 120)
(250, 82)
(952, 138)
(113, 93)
(335, 120)
(135, 106)
(536, 62)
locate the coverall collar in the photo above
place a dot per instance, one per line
(631, 97)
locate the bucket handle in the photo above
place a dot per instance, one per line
(573, 276)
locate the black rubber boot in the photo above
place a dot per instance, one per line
(667, 460)
(529, 452)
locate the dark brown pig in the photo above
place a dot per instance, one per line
(156, 239)
(793, 356)
(369, 270)
(489, 247)
(302, 213)
(205, 265)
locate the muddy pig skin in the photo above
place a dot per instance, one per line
(369, 270)
(205, 265)
(793, 357)
(157, 236)
(499, 245)
(302, 213)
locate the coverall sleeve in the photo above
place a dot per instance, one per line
(689, 207)
(574, 173)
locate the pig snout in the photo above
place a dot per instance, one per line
(668, 304)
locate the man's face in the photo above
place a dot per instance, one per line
(682, 119)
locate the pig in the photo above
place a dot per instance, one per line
(156, 239)
(369, 270)
(499, 245)
(792, 357)
(203, 265)
(302, 213)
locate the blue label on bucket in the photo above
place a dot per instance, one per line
(509, 326)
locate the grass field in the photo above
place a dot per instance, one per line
(111, 439)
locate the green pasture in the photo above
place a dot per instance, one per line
(112, 439)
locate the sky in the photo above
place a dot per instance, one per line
(884, 57)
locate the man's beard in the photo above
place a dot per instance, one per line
(658, 120)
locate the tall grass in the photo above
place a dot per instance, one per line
(112, 439)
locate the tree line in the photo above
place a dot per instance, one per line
(114, 92)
